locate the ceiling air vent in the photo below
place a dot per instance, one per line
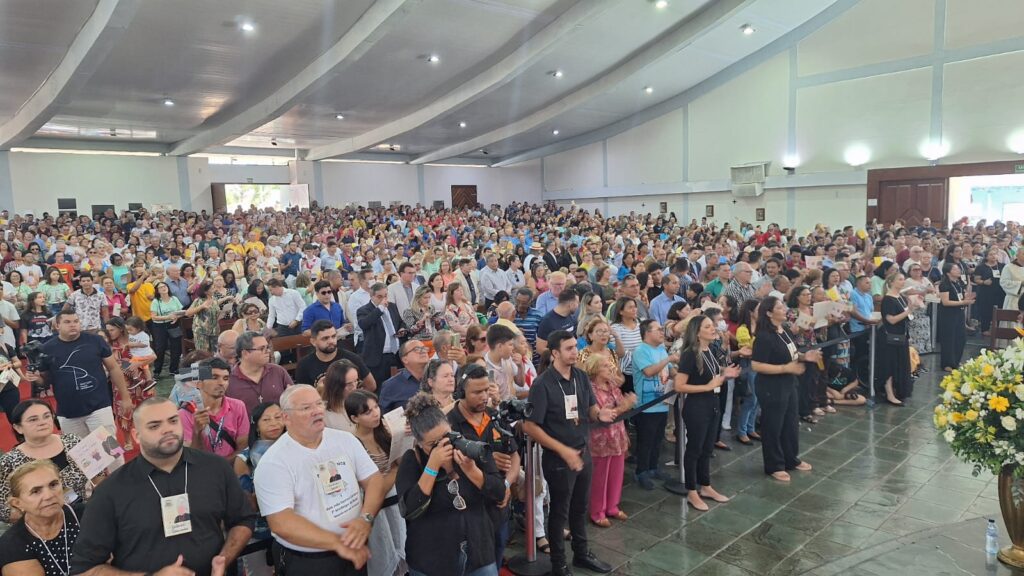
(748, 179)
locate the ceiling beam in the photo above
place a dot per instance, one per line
(84, 56)
(678, 37)
(767, 52)
(378, 19)
(530, 51)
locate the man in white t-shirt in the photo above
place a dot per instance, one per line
(308, 487)
(501, 369)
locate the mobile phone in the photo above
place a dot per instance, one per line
(455, 341)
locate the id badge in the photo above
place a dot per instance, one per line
(995, 273)
(791, 346)
(117, 309)
(910, 316)
(70, 497)
(572, 411)
(176, 514)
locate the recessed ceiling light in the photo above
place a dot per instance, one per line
(462, 124)
(648, 90)
(790, 161)
(339, 116)
(661, 4)
(857, 155)
(1016, 142)
(247, 26)
(168, 102)
(747, 29)
(433, 58)
(556, 73)
(554, 132)
(932, 150)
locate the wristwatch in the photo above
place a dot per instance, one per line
(368, 517)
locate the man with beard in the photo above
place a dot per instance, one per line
(319, 491)
(132, 519)
(324, 338)
(218, 424)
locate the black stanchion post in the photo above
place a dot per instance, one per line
(530, 564)
(678, 486)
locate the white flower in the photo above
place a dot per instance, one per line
(965, 389)
(1009, 423)
(949, 435)
(1019, 391)
(947, 396)
(1020, 413)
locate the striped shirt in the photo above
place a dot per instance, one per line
(630, 340)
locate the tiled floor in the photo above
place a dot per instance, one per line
(879, 474)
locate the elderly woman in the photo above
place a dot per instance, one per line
(41, 542)
(421, 319)
(459, 314)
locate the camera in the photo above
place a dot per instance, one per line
(514, 409)
(477, 451)
(38, 361)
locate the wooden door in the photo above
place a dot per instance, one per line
(910, 201)
(463, 197)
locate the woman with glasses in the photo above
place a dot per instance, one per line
(250, 320)
(920, 327)
(443, 496)
(476, 339)
(599, 334)
(33, 422)
(422, 319)
(204, 311)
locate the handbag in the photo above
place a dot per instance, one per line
(896, 339)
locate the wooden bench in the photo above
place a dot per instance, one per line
(188, 339)
(298, 344)
(1004, 333)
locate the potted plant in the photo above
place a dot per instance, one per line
(982, 418)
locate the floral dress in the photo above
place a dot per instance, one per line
(609, 440)
(139, 388)
(205, 327)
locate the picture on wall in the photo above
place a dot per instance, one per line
(759, 215)
(709, 210)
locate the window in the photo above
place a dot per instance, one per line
(67, 207)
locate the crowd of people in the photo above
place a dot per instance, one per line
(424, 347)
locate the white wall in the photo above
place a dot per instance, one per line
(519, 183)
(872, 77)
(358, 183)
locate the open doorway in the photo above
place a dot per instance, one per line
(990, 198)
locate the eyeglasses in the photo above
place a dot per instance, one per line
(324, 292)
(418, 350)
(259, 349)
(306, 409)
(480, 339)
(458, 501)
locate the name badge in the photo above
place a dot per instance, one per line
(995, 273)
(117, 309)
(910, 316)
(572, 411)
(176, 515)
(791, 346)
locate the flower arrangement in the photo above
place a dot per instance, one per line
(982, 410)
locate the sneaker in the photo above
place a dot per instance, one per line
(644, 481)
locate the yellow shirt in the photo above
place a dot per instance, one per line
(237, 248)
(257, 245)
(141, 299)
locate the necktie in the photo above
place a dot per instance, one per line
(472, 289)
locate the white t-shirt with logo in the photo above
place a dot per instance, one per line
(321, 485)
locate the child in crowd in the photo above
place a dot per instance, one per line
(139, 345)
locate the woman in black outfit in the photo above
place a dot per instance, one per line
(952, 322)
(893, 366)
(990, 293)
(701, 377)
(443, 496)
(41, 541)
(9, 395)
(778, 363)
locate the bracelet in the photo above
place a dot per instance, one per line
(430, 471)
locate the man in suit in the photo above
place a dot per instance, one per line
(401, 293)
(382, 332)
(469, 278)
(551, 257)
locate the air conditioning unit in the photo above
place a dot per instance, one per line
(374, 204)
(748, 179)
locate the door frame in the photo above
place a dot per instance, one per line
(878, 177)
(464, 187)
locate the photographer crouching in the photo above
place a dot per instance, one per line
(475, 421)
(447, 485)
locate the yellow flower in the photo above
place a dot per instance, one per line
(958, 396)
(971, 415)
(956, 417)
(998, 403)
(941, 420)
(987, 369)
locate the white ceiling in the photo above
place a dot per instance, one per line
(226, 83)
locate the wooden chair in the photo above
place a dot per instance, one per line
(188, 342)
(298, 343)
(1003, 333)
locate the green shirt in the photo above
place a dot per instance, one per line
(160, 308)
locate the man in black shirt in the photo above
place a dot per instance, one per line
(563, 407)
(561, 317)
(126, 523)
(473, 420)
(324, 338)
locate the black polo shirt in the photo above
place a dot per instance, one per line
(548, 398)
(124, 522)
(310, 367)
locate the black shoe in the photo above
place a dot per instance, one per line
(562, 570)
(591, 562)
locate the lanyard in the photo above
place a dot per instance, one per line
(711, 362)
(562, 390)
(158, 491)
(67, 548)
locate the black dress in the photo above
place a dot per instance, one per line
(952, 324)
(988, 296)
(893, 361)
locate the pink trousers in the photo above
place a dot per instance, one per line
(606, 486)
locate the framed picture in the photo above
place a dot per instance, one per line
(709, 210)
(759, 215)
(663, 207)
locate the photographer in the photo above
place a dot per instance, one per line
(472, 419)
(445, 497)
(76, 364)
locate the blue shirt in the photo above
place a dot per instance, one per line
(179, 289)
(660, 306)
(317, 311)
(290, 263)
(397, 390)
(648, 388)
(864, 304)
(546, 302)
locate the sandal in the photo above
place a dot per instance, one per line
(545, 547)
(809, 419)
(830, 409)
(745, 440)
(818, 412)
(781, 476)
(603, 522)
(803, 467)
(754, 436)
(620, 515)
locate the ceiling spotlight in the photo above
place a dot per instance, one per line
(462, 124)
(433, 59)
(1016, 142)
(790, 162)
(661, 4)
(484, 152)
(168, 102)
(273, 141)
(933, 150)
(339, 116)
(556, 73)
(648, 90)
(747, 29)
(247, 26)
(555, 132)
(857, 155)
